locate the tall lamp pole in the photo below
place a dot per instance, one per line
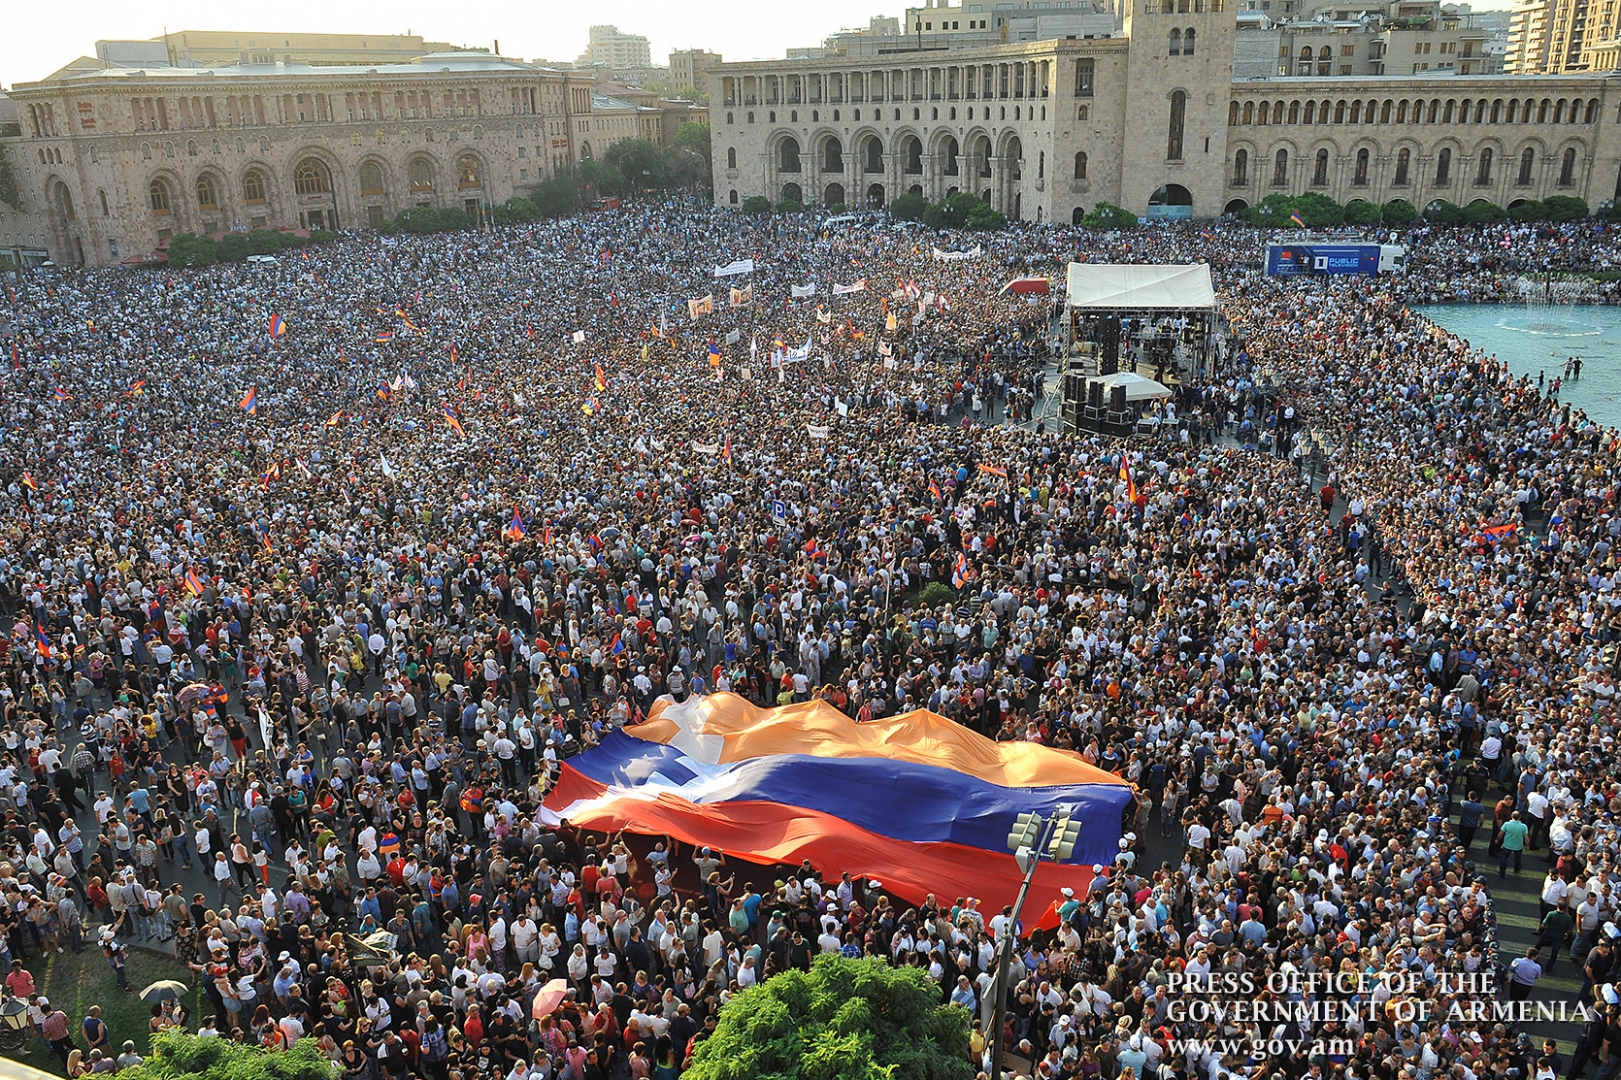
(1030, 837)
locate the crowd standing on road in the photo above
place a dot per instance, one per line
(303, 624)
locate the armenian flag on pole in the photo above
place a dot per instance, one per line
(455, 424)
(250, 401)
(514, 529)
(278, 326)
(194, 584)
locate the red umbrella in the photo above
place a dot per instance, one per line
(548, 998)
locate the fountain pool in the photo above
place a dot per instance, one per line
(1539, 337)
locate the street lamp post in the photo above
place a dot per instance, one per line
(1031, 836)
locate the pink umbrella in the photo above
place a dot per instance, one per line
(548, 998)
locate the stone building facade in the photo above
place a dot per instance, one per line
(111, 162)
(1150, 119)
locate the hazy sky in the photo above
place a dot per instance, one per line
(42, 36)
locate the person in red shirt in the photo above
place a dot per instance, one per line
(19, 982)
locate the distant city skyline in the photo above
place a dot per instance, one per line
(44, 37)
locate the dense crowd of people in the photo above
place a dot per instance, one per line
(317, 570)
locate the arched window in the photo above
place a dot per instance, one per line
(731, 157)
(1443, 167)
(1187, 42)
(1280, 168)
(208, 197)
(1319, 172)
(1384, 111)
(1404, 159)
(1080, 164)
(1176, 41)
(1497, 111)
(1401, 112)
(469, 174)
(1232, 114)
(421, 175)
(253, 188)
(1311, 113)
(1249, 112)
(1241, 168)
(158, 192)
(1294, 112)
(873, 155)
(1359, 178)
(1528, 158)
(1483, 175)
(733, 199)
(311, 178)
(1567, 168)
(371, 178)
(102, 194)
(788, 155)
(1173, 137)
(1592, 112)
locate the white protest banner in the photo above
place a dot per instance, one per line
(817, 431)
(841, 290)
(801, 291)
(732, 269)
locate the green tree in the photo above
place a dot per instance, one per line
(1361, 212)
(555, 197)
(983, 218)
(756, 204)
(1318, 210)
(951, 212)
(789, 206)
(1443, 212)
(1106, 215)
(9, 192)
(1527, 210)
(686, 167)
(908, 207)
(178, 1056)
(1609, 210)
(1564, 208)
(640, 162)
(1271, 212)
(842, 1020)
(602, 177)
(1398, 213)
(692, 136)
(189, 249)
(515, 210)
(233, 247)
(1481, 212)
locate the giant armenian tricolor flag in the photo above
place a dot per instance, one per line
(918, 802)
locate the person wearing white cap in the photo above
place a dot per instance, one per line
(1068, 906)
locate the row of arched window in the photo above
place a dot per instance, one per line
(1182, 41)
(1432, 111)
(1524, 177)
(311, 177)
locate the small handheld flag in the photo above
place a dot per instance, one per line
(28, 482)
(455, 424)
(934, 489)
(63, 395)
(42, 643)
(514, 529)
(250, 401)
(1299, 221)
(335, 418)
(386, 336)
(602, 380)
(726, 453)
(278, 326)
(194, 584)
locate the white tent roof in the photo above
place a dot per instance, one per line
(1138, 387)
(1120, 285)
